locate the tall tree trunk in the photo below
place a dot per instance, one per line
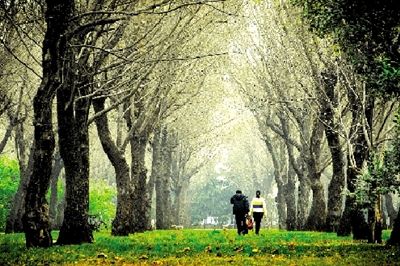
(6, 137)
(375, 222)
(290, 193)
(141, 207)
(74, 149)
(185, 218)
(352, 219)
(156, 172)
(159, 204)
(36, 220)
(303, 201)
(150, 193)
(57, 167)
(166, 150)
(395, 235)
(281, 206)
(278, 174)
(176, 181)
(337, 183)
(60, 213)
(392, 214)
(176, 211)
(121, 225)
(317, 217)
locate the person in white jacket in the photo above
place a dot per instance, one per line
(258, 209)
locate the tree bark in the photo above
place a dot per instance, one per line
(375, 222)
(280, 198)
(352, 219)
(36, 220)
(141, 207)
(60, 213)
(6, 137)
(392, 214)
(176, 211)
(290, 193)
(74, 149)
(395, 235)
(166, 151)
(317, 217)
(121, 224)
(303, 202)
(156, 172)
(55, 174)
(337, 183)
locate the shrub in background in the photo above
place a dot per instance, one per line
(9, 179)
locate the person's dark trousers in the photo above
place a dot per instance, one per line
(241, 223)
(257, 219)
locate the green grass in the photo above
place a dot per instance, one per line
(204, 247)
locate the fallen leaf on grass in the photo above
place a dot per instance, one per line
(143, 257)
(238, 249)
(186, 249)
(102, 255)
(255, 250)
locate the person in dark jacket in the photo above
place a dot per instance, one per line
(240, 210)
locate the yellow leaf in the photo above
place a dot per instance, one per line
(143, 257)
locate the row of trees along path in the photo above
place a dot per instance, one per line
(323, 95)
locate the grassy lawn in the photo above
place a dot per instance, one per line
(204, 247)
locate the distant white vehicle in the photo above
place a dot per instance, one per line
(210, 220)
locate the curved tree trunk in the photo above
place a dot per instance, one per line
(36, 220)
(121, 223)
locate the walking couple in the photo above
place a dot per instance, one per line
(243, 210)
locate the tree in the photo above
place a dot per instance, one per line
(36, 220)
(366, 32)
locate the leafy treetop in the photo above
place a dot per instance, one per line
(367, 31)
